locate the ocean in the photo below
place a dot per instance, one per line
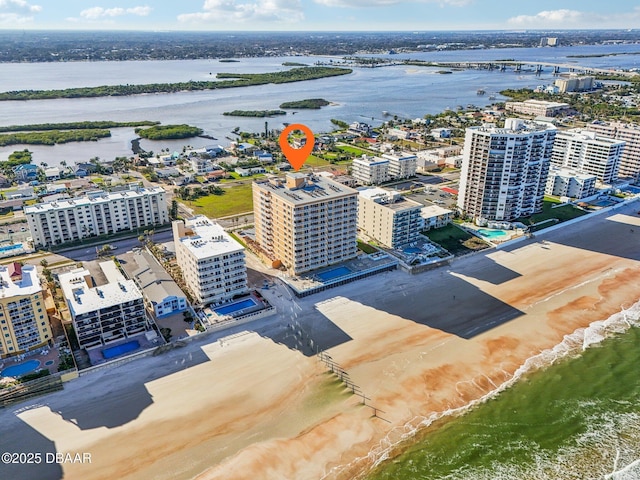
(569, 413)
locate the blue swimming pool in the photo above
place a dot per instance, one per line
(234, 307)
(490, 234)
(335, 273)
(21, 369)
(412, 250)
(631, 189)
(118, 350)
(8, 248)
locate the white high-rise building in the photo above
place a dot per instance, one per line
(388, 217)
(212, 263)
(305, 221)
(370, 170)
(630, 134)
(587, 152)
(96, 213)
(563, 182)
(504, 170)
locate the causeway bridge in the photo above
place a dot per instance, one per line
(517, 66)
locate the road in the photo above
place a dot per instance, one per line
(83, 253)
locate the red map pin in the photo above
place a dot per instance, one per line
(297, 156)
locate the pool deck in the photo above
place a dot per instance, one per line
(361, 266)
(213, 318)
(51, 356)
(96, 357)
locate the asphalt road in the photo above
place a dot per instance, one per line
(89, 252)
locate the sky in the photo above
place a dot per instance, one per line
(328, 15)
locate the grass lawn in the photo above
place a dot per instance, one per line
(456, 240)
(563, 214)
(313, 161)
(353, 150)
(366, 248)
(236, 199)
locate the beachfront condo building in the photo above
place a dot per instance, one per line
(628, 133)
(305, 221)
(212, 262)
(106, 313)
(387, 217)
(504, 170)
(24, 324)
(588, 152)
(96, 213)
(563, 182)
(402, 165)
(370, 170)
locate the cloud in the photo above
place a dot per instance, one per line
(382, 3)
(236, 11)
(564, 18)
(96, 13)
(17, 11)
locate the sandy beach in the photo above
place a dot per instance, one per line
(244, 405)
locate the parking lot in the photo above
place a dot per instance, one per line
(434, 195)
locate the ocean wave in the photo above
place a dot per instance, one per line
(572, 344)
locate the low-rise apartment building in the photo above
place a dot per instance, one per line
(537, 108)
(24, 324)
(628, 133)
(212, 262)
(96, 213)
(402, 165)
(370, 170)
(106, 313)
(387, 217)
(434, 216)
(563, 182)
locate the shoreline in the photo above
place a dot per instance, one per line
(250, 407)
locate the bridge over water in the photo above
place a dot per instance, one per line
(517, 65)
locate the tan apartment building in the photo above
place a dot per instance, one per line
(537, 108)
(24, 324)
(387, 217)
(305, 221)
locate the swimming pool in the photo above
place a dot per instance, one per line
(8, 248)
(412, 250)
(234, 307)
(335, 273)
(631, 189)
(117, 350)
(21, 369)
(493, 234)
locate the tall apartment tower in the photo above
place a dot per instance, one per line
(212, 263)
(587, 152)
(504, 170)
(630, 134)
(24, 324)
(305, 221)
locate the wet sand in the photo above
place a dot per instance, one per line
(419, 346)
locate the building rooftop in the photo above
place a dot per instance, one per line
(543, 103)
(389, 198)
(371, 160)
(590, 136)
(204, 238)
(92, 198)
(83, 297)
(514, 126)
(302, 188)
(154, 280)
(568, 172)
(433, 211)
(16, 279)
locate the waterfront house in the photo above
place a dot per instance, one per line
(26, 172)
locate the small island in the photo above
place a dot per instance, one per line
(293, 64)
(228, 60)
(310, 103)
(168, 132)
(254, 113)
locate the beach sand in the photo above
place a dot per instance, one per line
(417, 346)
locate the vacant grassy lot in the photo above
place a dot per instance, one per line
(234, 200)
(353, 150)
(456, 240)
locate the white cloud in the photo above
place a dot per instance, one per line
(237, 12)
(382, 3)
(17, 12)
(96, 13)
(564, 18)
